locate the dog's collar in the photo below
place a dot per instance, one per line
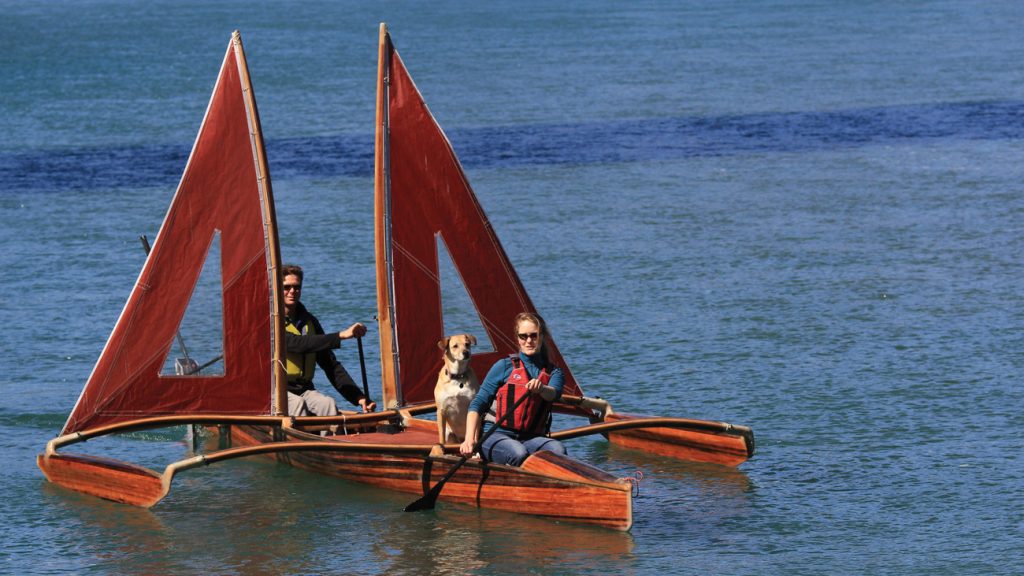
(460, 378)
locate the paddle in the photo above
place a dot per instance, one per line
(362, 367)
(430, 498)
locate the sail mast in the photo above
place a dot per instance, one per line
(382, 234)
(278, 376)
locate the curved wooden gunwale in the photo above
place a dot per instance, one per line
(620, 423)
(214, 419)
(553, 486)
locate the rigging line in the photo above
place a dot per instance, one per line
(419, 263)
(113, 394)
(177, 333)
(490, 232)
(502, 337)
(201, 367)
(257, 258)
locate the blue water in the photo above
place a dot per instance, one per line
(805, 217)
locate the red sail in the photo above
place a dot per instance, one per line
(224, 189)
(423, 193)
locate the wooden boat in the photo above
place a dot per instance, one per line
(422, 197)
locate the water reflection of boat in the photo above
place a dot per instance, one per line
(463, 541)
(718, 480)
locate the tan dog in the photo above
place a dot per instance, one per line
(456, 387)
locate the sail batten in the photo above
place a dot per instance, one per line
(225, 189)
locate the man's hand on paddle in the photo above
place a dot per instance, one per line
(367, 406)
(356, 330)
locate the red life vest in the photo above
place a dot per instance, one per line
(530, 417)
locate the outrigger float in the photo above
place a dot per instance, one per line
(422, 199)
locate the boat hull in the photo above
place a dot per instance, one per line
(547, 484)
(726, 447)
(103, 477)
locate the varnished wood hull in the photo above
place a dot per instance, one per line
(103, 477)
(546, 485)
(728, 447)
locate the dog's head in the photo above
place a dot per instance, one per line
(457, 348)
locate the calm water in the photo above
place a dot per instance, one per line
(805, 217)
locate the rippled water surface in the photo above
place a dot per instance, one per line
(802, 217)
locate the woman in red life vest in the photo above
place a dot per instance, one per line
(525, 432)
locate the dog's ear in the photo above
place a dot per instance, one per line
(471, 338)
(443, 344)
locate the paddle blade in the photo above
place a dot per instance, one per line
(427, 502)
(104, 477)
